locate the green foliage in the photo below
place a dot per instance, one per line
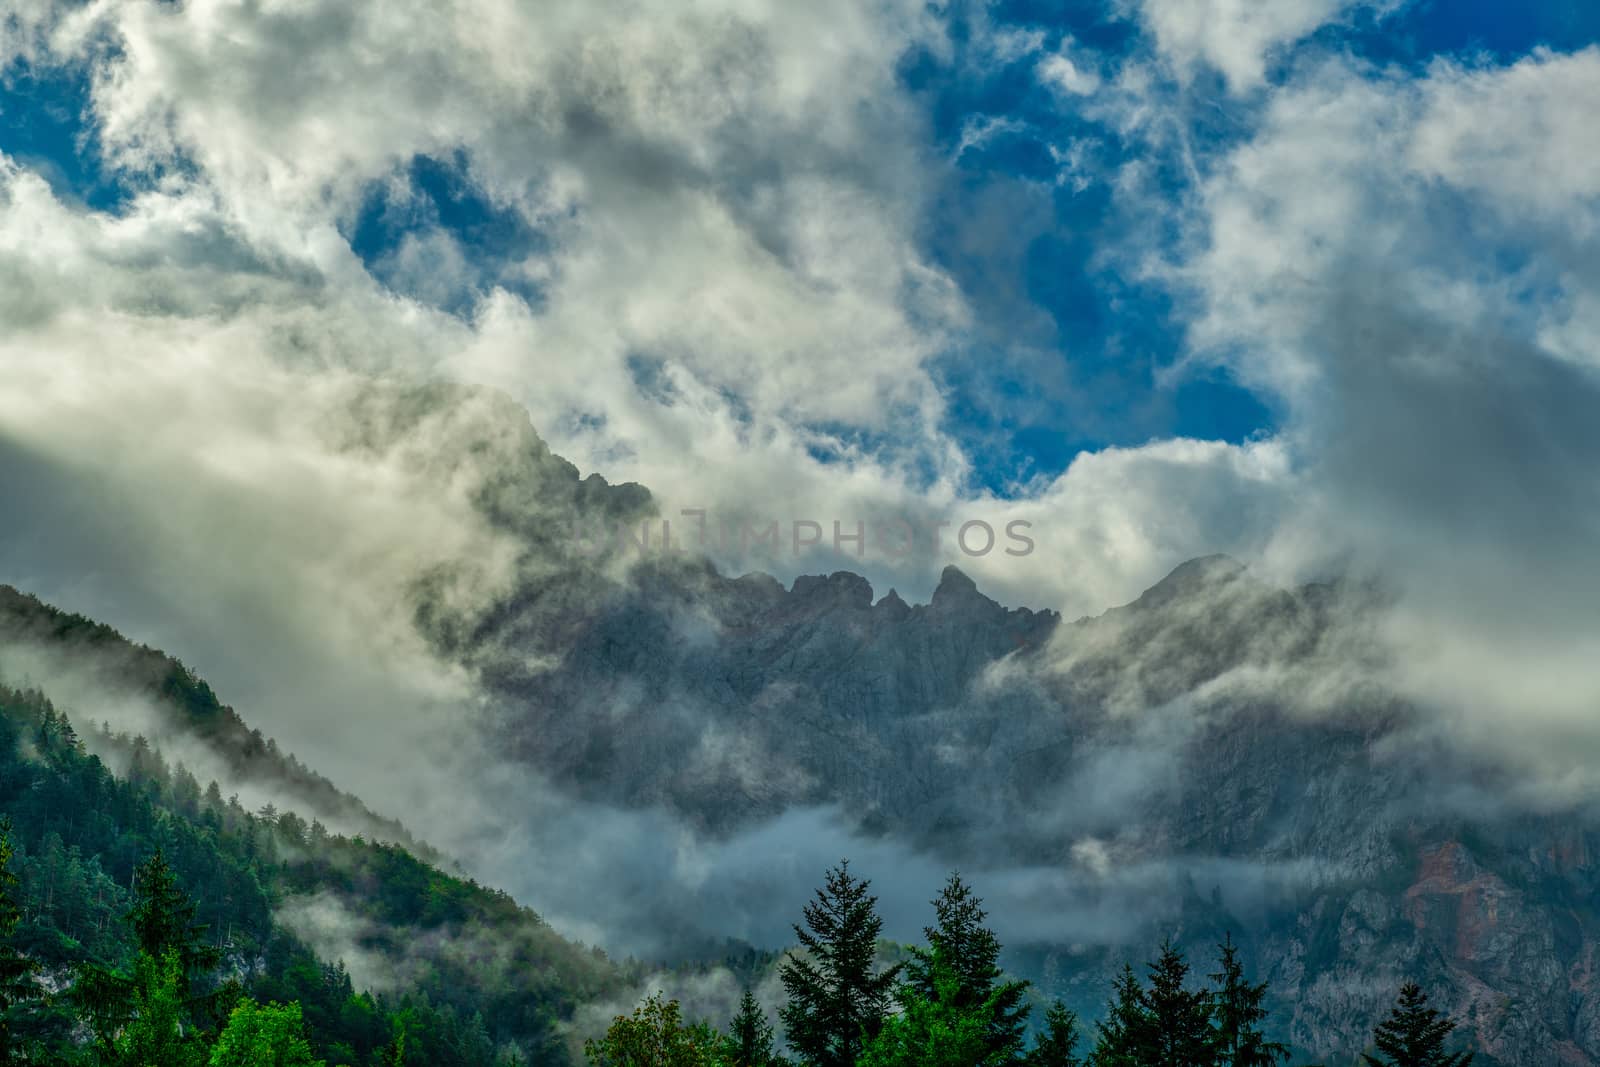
(17, 986)
(1237, 1015)
(155, 1035)
(1165, 1025)
(1126, 1032)
(1180, 1018)
(939, 1025)
(263, 1036)
(655, 1036)
(749, 1042)
(83, 854)
(961, 968)
(1414, 1035)
(837, 995)
(163, 921)
(1057, 1044)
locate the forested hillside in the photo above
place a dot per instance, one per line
(477, 979)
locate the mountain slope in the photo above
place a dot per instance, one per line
(463, 969)
(174, 706)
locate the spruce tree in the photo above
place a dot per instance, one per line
(165, 933)
(1180, 1018)
(1414, 1035)
(17, 986)
(1125, 1037)
(837, 996)
(961, 941)
(163, 921)
(749, 1042)
(1057, 1044)
(1237, 1014)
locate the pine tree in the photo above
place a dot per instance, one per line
(1180, 1018)
(749, 1042)
(163, 920)
(1414, 1035)
(837, 997)
(17, 986)
(1057, 1044)
(1237, 1014)
(971, 951)
(1125, 1037)
(164, 930)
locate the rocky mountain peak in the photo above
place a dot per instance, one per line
(839, 589)
(956, 590)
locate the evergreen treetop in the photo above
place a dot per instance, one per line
(837, 995)
(1414, 1035)
(1057, 1044)
(1237, 1014)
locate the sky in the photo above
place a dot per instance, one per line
(1314, 283)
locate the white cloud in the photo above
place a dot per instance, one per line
(1062, 72)
(1238, 37)
(1411, 283)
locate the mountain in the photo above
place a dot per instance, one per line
(1220, 754)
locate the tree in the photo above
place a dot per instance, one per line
(935, 1029)
(163, 920)
(155, 1035)
(1414, 1035)
(394, 1053)
(837, 996)
(1057, 1044)
(1126, 1033)
(1180, 1018)
(164, 930)
(654, 1036)
(269, 1036)
(1237, 1014)
(749, 1041)
(971, 952)
(17, 986)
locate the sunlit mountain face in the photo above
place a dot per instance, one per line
(572, 473)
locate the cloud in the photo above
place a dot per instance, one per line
(1060, 70)
(1369, 258)
(1238, 37)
